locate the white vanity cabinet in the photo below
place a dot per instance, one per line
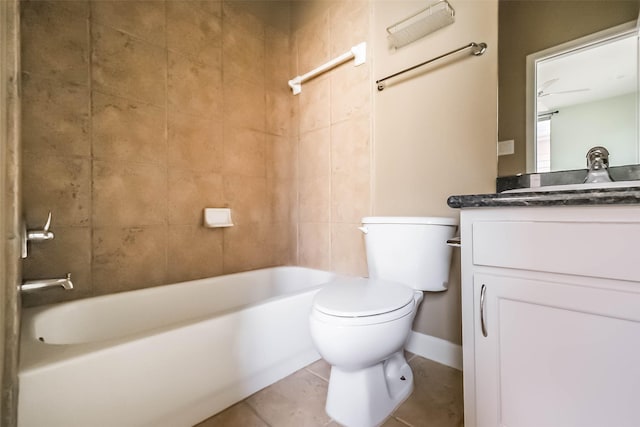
(551, 316)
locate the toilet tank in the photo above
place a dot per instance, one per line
(410, 250)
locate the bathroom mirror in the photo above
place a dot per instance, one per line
(582, 94)
(527, 27)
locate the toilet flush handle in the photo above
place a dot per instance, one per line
(365, 230)
(455, 242)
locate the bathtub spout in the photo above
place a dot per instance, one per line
(34, 285)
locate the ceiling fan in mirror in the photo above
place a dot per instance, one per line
(546, 105)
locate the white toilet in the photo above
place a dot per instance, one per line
(360, 326)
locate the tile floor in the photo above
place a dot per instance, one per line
(298, 400)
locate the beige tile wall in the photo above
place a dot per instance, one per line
(334, 135)
(10, 208)
(136, 116)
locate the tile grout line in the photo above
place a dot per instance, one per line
(293, 38)
(223, 131)
(329, 128)
(166, 145)
(92, 291)
(316, 375)
(401, 421)
(256, 412)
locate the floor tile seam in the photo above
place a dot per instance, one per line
(257, 413)
(401, 421)
(317, 375)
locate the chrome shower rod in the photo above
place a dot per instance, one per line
(478, 49)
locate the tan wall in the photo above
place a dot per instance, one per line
(136, 116)
(435, 131)
(527, 27)
(134, 125)
(334, 124)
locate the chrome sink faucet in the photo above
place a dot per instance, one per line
(598, 165)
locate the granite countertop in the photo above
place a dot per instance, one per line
(598, 196)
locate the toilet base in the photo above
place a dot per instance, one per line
(366, 397)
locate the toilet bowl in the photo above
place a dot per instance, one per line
(360, 325)
(357, 337)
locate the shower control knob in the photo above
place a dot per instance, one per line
(41, 235)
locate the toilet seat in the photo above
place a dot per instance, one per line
(360, 301)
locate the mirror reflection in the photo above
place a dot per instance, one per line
(585, 95)
(528, 27)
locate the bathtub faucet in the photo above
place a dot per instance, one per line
(34, 285)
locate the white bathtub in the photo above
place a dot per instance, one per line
(165, 356)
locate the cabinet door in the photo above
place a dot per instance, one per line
(556, 355)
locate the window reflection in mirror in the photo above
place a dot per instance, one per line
(583, 94)
(543, 143)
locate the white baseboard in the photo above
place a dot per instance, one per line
(436, 349)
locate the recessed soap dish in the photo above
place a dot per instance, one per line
(217, 217)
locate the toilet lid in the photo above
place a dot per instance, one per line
(359, 297)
